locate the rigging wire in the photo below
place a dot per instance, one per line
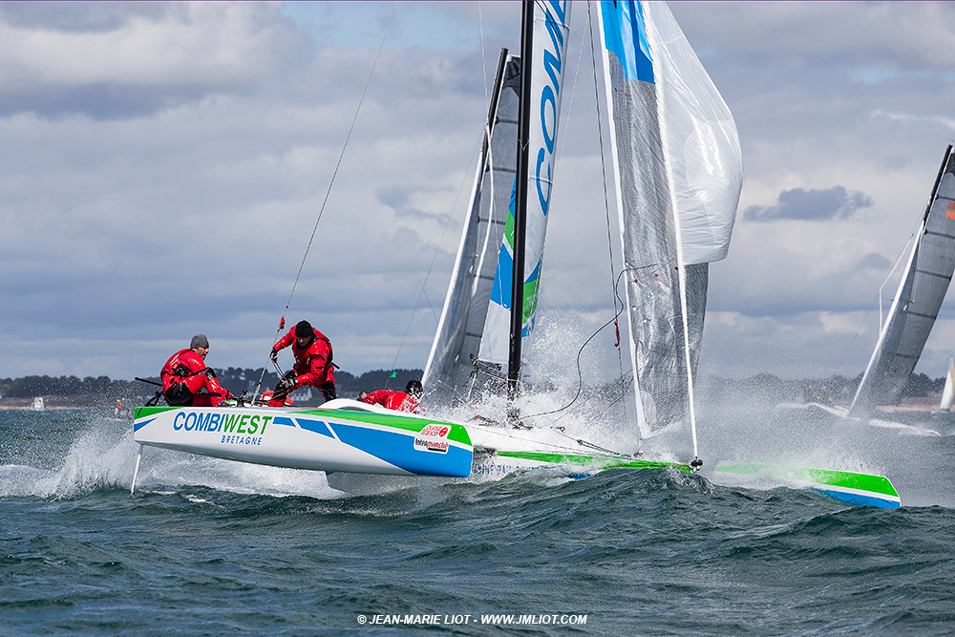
(603, 170)
(580, 376)
(328, 191)
(878, 298)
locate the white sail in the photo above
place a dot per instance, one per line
(547, 67)
(678, 170)
(948, 393)
(917, 301)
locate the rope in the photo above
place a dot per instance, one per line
(603, 171)
(580, 376)
(328, 191)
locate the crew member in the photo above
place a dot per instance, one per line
(407, 400)
(185, 375)
(313, 363)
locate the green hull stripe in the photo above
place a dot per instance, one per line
(458, 433)
(846, 479)
(601, 462)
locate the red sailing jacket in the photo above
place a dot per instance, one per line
(396, 400)
(186, 367)
(313, 365)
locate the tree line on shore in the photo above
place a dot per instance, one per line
(96, 389)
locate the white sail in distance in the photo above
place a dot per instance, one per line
(678, 174)
(948, 392)
(917, 301)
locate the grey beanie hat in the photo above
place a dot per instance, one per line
(199, 340)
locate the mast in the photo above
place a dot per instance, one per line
(520, 211)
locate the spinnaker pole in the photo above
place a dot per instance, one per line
(520, 206)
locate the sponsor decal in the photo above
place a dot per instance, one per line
(550, 97)
(242, 424)
(433, 437)
(242, 440)
(950, 211)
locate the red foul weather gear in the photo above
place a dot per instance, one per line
(313, 366)
(396, 400)
(184, 375)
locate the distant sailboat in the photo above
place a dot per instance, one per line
(921, 291)
(38, 404)
(948, 394)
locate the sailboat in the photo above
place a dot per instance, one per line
(922, 288)
(948, 392)
(678, 173)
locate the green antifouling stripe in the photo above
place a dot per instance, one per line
(845, 479)
(598, 461)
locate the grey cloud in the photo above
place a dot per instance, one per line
(874, 261)
(811, 205)
(77, 16)
(115, 61)
(397, 197)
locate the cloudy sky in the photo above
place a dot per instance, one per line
(163, 166)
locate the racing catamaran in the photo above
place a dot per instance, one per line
(677, 177)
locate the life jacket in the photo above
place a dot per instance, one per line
(310, 371)
(178, 374)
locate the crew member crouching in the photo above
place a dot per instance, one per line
(398, 400)
(185, 375)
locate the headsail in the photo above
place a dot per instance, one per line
(678, 169)
(918, 299)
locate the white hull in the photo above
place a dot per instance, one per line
(342, 435)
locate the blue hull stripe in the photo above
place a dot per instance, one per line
(316, 426)
(857, 499)
(398, 449)
(283, 420)
(139, 425)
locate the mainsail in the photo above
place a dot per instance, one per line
(917, 302)
(475, 321)
(457, 341)
(546, 67)
(678, 169)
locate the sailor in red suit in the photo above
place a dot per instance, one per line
(397, 400)
(313, 363)
(185, 375)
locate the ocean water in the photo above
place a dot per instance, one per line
(212, 547)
